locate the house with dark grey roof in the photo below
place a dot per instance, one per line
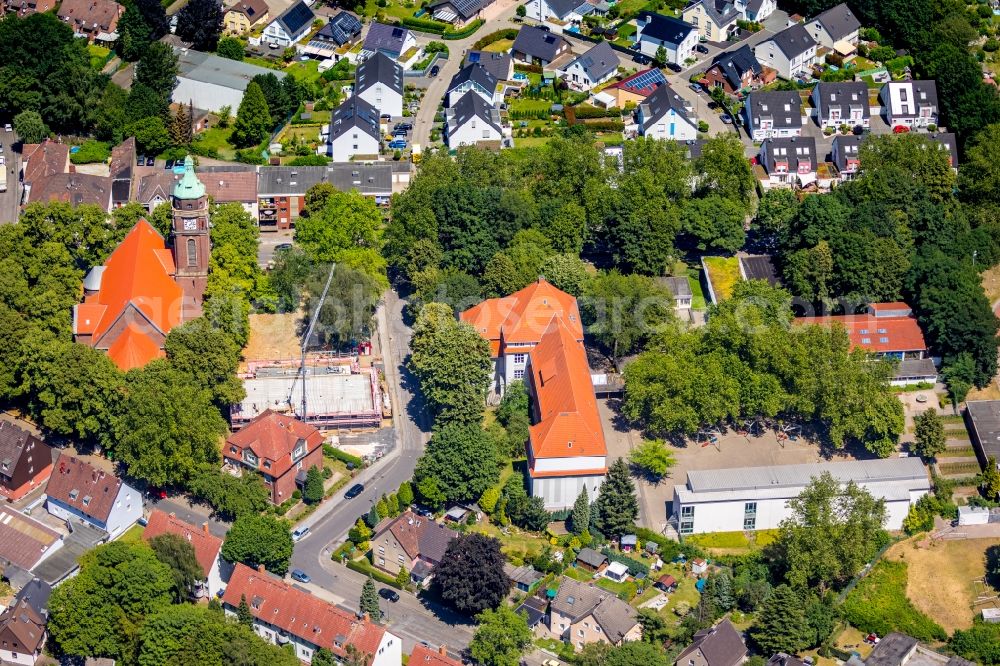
(409, 541)
(909, 103)
(720, 645)
(342, 29)
(755, 10)
(472, 78)
(567, 11)
(948, 143)
(654, 31)
(839, 104)
(790, 161)
(592, 560)
(896, 649)
(844, 153)
(837, 28)
(379, 81)
(457, 12)
(499, 65)
(281, 191)
(391, 40)
(582, 613)
(535, 46)
(523, 578)
(790, 53)
(354, 131)
(666, 115)
(680, 289)
(714, 19)
(736, 70)
(592, 68)
(293, 24)
(472, 121)
(773, 113)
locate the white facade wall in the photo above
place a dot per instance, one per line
(458, 92)
(670, 126)
(513, 367)
(207, 96)
(10, 657)
(538, 10)
(126, 511)
(676, 53)
(274, 33)
(352, 143)
(545, 465)
(560, 492)
(385, 99)
(578, 78)
(769, 54)
(472, 132)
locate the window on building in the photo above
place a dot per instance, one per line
(750, 507)
(519, 358)
(519, 374)
(687, 512)
(192, 252)
(750, 522)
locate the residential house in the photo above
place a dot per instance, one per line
(558, 12)
(155, 188)
(582, 613)
(737, 70)
(232, 184)
(756, 498)
(79, 492)
(947, 143)
(22, 631)
(756, 10)
(591, 560)
(291, 26)
(888, 330)
(122, 172)
(772, 114)
(244, 16)
(896, 649)
(354, 131)
(410, 542)
(342, 30)
(680, 289)
(844, 153)
(25, 7)
(145, 289)
(210, 82)
(789, 161)
(96, 20)
(281, 191)
(457, 12)
(782, 659)
(655, 31)
(39, 161)
(72, 188)
(472, 78)
(424, 655)
(284, 614)
(592, 68)
(24, 543)
(391, 40)
(912, 104)
(499, 65)
(524, 578)
(790, 53)
(714, 19)
(720, 645)
(536, 335)
(840, 104)
(25, 460)
(471, 121)
(379, 81)
(666, 115)
(207, 548)
(278, 447)
(630, 90)
(535, 46)
(836, 29)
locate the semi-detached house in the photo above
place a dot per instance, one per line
(910, 104)
(789, 161)
(790, 53)
(840, 104)
(582, 613)
(79, 492)
(773, 113)
(655, 31)
(207, 550)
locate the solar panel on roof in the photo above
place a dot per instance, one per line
(298, 16)
(397, 33)
(474, 57)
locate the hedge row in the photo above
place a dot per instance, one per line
(531, 114)
(464, 32)
(363, 566)
(635, 567)
(343, 456)
(589, 111)
(604, 125)
(493, 37)
(423, 25)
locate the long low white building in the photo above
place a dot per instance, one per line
(756, 498)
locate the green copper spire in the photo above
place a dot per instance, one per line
(189, 187)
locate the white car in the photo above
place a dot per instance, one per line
(272, 45)
(8, 128)
(300, 533)
(3, 160)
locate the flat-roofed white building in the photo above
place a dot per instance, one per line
(756, 498)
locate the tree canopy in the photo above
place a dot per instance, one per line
(255, 539)
(470, 577)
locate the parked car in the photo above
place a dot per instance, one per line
(168, 165)
(642, 59)
(726, 118)
(354, 491)
(299, 533)
(386, 116)
(674, 67)
(150, 161)
(389, 595)
(300, 575)
(272, 45)
(696, 87)
(434, 71)
(900, 129)
(139, 161)
(404, 126)
(282, 247)
(700, 48)
(397, 144)
(8, 128)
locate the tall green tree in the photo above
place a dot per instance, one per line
(253, 120)
(346, 226)
(930, 435)
(157, 69)
(133, 35)
(781, 625)
(369, 600)
(231, 47)
(462, 460)
(652, 457)
(243, 615)
(200, 22)
(208, 356)
(622, 311)
(30, 127)
(312, 492)
(177, 553)
(501, 637)
(255, 540)
(617, 506)
(580, 518)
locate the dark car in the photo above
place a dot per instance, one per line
(354, 491)
(403, 126)
(282, 247)
(139, 161)
(150, 161)
(642, 59)
(701, 49)
(168, 165)
(386, 116)
(674, 67)
(300, 575)
(434, 70)
(389, 595)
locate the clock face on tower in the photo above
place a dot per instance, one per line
(190, 225)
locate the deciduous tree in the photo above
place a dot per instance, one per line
(177, 553)
(652, 457)
(255, 540)
(461, 459)
(470, 577)
(930, 436)
(231, 47)
(200, 22)
(501, 637)
(30, 127)
(253, 120)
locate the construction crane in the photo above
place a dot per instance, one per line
(305, 344)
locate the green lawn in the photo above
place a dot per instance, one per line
(305, 71)
(98, 56)
(263, 62)
(879, 604)
(132, 534)
(501, 46)
(697, 295)
(530, 105)
(217, 138)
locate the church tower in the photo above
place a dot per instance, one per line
(190, 235)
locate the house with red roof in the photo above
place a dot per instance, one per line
(207, 549)
(284, 614)
(536, 335)
(279, 447)
(25, 460)
(79, 492)
(425, 656)
(144, 289)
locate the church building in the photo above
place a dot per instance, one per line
(144, 288)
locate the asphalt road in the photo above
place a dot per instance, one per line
(10, 199)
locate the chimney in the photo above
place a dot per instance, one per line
(173, 515)
(261, 569)
(443, 650)
(366, 617)
(204, 527)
